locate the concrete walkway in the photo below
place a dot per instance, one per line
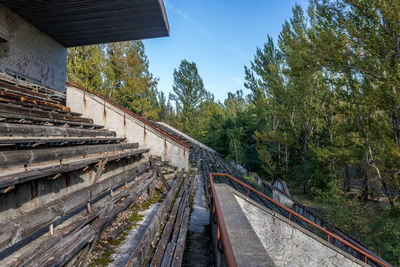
(198, 250)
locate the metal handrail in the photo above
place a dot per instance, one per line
(293, 213)
(222, 233)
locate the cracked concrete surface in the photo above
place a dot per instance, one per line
(289, 246)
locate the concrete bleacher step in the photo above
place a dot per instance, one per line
(26, 91)
(35, 142)
(23, 99)
(28, 119)
(52, 170)
(26, 225)
(169, 240)
(75, 232)
(32, 130)
(36, 112)
(24, 158)
(171, 245)
(33, 104)
(63, 179)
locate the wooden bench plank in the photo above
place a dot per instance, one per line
(25, 176)
(15, 230)
(24, 91)
(16, 129)
(69, 246)
(20, 118)
(27, 157)
(27, 111)
(61, 141)
(21, 100)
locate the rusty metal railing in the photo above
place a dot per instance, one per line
(291, 213)
(223, 242)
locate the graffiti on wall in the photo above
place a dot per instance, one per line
(36, 68)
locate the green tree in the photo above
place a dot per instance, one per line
(85, 65)
(188, 94)
(129, 81)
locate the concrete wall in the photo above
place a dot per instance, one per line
(290, 245)
(31, 195)
(194, 141)
(246, 246)
(114, 119)
(281, 197)
(31, 54)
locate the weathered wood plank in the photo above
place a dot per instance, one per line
(24, 91)
(28, 130)
(160, 174)
(8, 97)
(100, 169)
(97, 209)
(49, 170)
(13, 231)
(166, 234)
(69, 246)
(140, 252)
(176, 245)
(61, 141)
(35, 112)
(27, 99)
(26, 157)
(180, 244)
(10, 117)
(169, 252)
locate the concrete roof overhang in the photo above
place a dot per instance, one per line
(85, 22)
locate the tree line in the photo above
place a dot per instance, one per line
(322, 110)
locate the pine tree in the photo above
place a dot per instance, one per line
(188, 94)
(129, 81)
(85, 65)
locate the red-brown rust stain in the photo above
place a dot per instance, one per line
(104, 113)
(165, 148)
(67, 179)
(35, 194)
(124, 128)
(84, 102)
(90, 172)
(144, 133)
(35, 189)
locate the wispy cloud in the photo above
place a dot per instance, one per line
(237, 80)
(200, 29)
(187, 18)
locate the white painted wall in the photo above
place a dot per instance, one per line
(289, 244)
(114, 119)
(32, 54)
(194, 141)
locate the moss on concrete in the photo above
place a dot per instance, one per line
(133, 220)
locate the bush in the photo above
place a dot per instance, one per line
(371, 223)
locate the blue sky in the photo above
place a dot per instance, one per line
(220, 36)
